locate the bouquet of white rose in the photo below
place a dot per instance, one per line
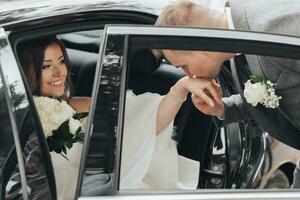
(61, 124)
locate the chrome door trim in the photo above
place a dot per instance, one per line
(203, 32)
(208, 195)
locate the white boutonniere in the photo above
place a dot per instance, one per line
(61, 124)
(257, 90)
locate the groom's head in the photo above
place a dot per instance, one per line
(188, 14)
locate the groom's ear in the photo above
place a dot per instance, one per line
(166, 60)
(158, 53)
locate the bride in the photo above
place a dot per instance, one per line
(149, 157)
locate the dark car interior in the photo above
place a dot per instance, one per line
(147, 74)
(193, 130)
(196, 134)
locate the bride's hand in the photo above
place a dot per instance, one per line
(206, 90)
(217, 110)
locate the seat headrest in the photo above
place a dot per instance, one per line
(81, 42)
(144, 61)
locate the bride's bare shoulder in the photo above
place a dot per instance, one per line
(80, 104)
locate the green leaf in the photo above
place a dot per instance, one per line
(256, 78)
(57, 150)
(69, 136)
(62, 140)
(80, 137)
(80, 115)
(69, 144)
(64, 129)
(78, 130)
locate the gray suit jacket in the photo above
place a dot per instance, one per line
(281, 17)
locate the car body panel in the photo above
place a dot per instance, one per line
(216, 195)
(13, 12)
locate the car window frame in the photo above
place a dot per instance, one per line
(8, 97)
(28, 104)
(159, 37)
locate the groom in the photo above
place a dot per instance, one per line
(280, 16)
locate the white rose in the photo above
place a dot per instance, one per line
(46, 104)
(66, 109)
(52, 113)
(47, 129)
(255, 92)
(74, 124)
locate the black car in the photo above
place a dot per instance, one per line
(105, 62)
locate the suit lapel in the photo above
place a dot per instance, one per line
(271, 120)
(245, 72)
(254, 65)
(239, 19)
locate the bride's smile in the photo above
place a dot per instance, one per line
(57, 83)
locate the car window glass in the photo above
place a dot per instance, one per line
(239, 155)
(151, 162)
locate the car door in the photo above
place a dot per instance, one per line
(26, 169)
(106, 119)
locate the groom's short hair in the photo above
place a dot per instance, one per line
(183, 13)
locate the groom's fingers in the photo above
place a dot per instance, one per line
(196, 99)
(201, 105)
(215, 83)
(202, 95)
(214, 93)
(219, 91)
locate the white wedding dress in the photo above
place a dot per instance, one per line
(148, 161)
(66, 172)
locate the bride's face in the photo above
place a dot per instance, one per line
(54, 72)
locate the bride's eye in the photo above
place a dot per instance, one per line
(62, 62)
(181, 66)
(45, 66)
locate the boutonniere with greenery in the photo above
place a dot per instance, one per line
(61, 124)
(257, 90)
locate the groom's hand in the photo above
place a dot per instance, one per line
(204, 107)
